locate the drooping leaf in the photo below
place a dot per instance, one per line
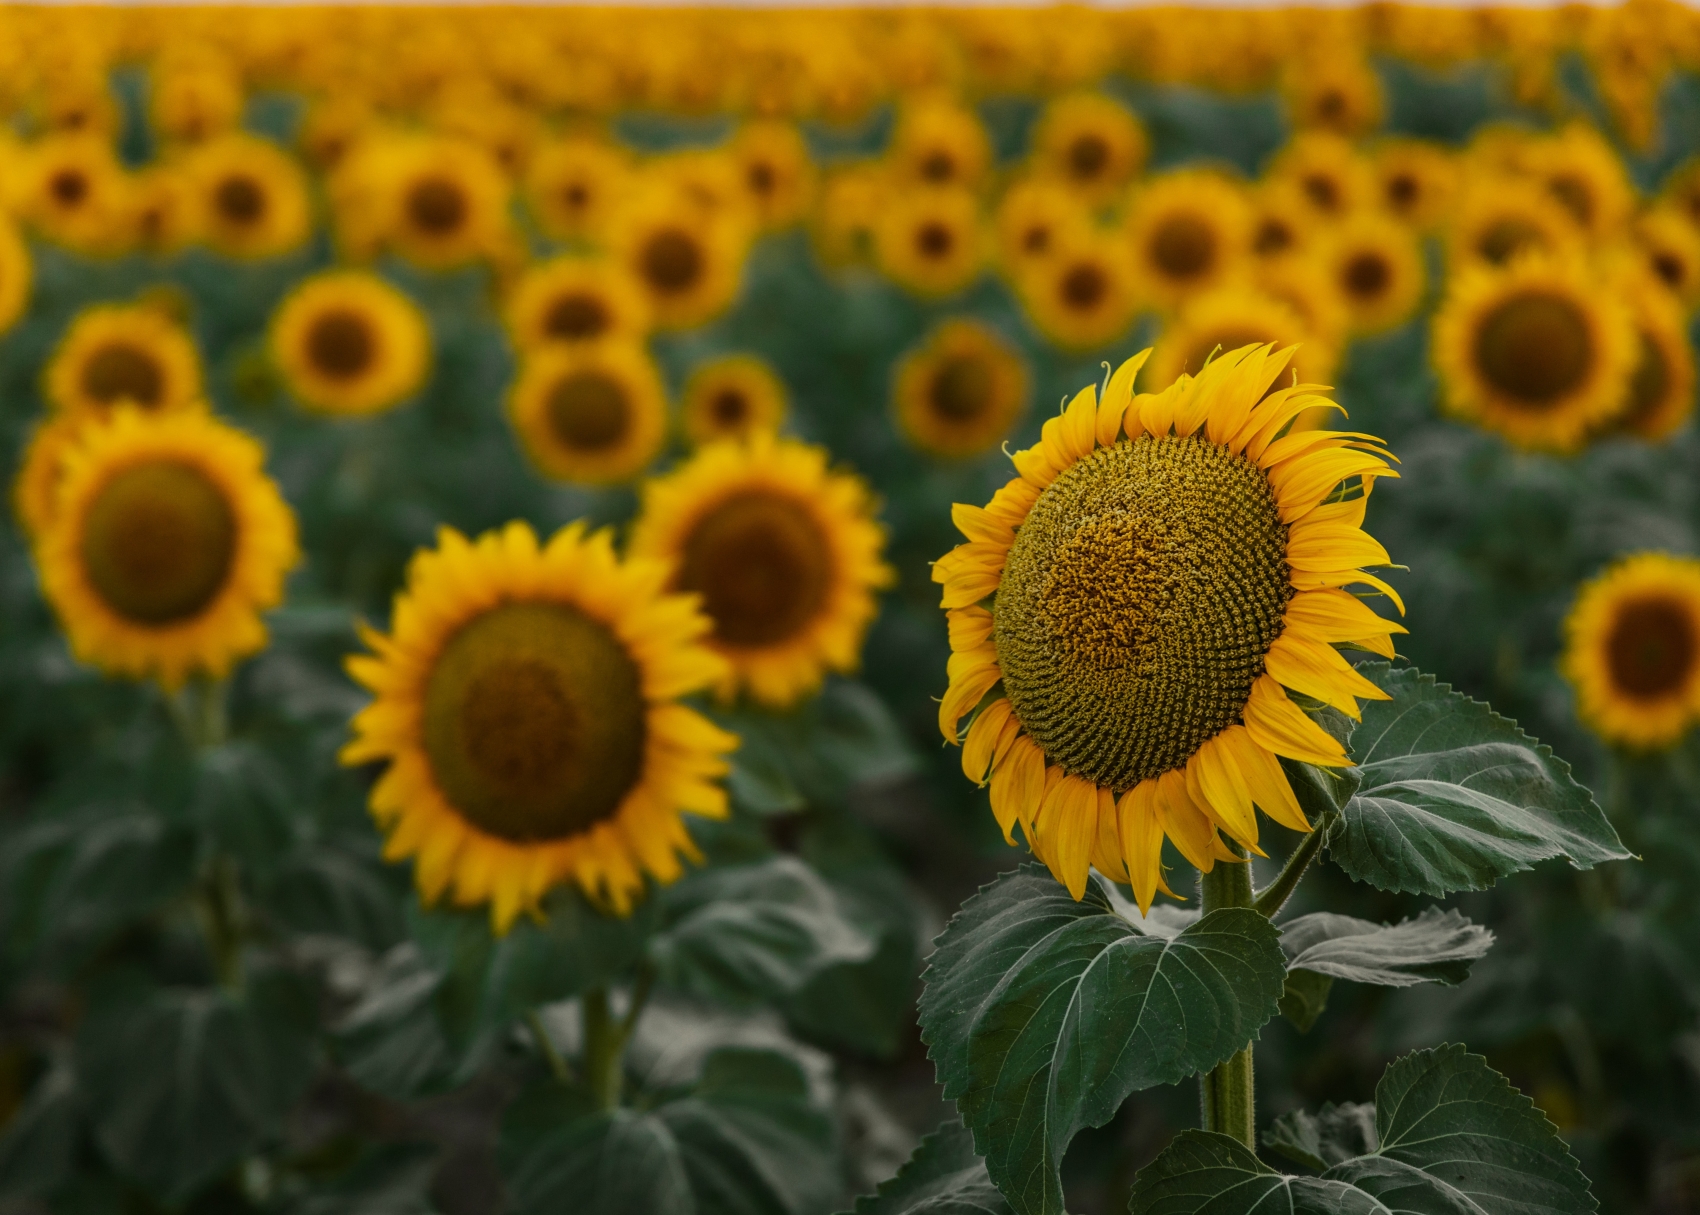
(944, 1176)
(38, 1147)
(1043, 1014)
(745, 933)
(1304, 998)
(1436, 947)
(1454, 796)
(1450, 1136)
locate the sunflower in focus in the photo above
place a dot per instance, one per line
(1328, 173)
(779, 178)
(731, 397)
(164, 543)
(688, 262)
(576, 299)
(1660, 397)
(574, 187)
(349, 343)
(1132, 610)
(1376, 266)
(1541, 351)
(960, 392)
(1416, 181)
(443, 202)
(17, 274)
(852, 199)
(1500, 218)
(1632, 650)
(252, 196)
(1333, 90)
(73, 191)
(1670, 246)
(1230, 318)
(593, 413)
(1035, 218)
(1584, 175)
(115, 353)
(930, 240)
(784, 553)
(939, 143)
(1084, 296)
(527, 703)
(1091, 143)
(1189, 231)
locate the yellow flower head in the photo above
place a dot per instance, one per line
(1416, 181)
(779, 178)
(1329, 173)
(1502, 218)
(252, 196)
(939, 143)
(1085, 295)
(1660, 398)
(961, 392)
(1130, 612)
(117, 353)
(930, 240)
(165, 542)
(1232, 317)
(1189, 231)
(194, 99)
(576, 299)
(1090, 143)
(73, 191)
(574, 187)
(1670, 248)
(594, 413)
(1283, 224)
(439, 202)
(1332, 89)
(784, 553)
(527, 703)
(731, 397)
(349, 343)
(1376, 266)
(1035, 218)
(687, 258)
(852, 200)
(17, 275)
(1584, 175)
(1632, 650)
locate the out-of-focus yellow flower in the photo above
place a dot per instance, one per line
(1091, 143)
(1189, 231)
(253, 200)
(574, 186)
(930, 240)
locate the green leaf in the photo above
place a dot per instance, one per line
(1450, 1137)
(38, 1148)
(392, 1041)
(745, 933)
(1304, 997)
(183, 1082)
(332, 891)
(1455, 796)
(394, 1179)
(760, 782)
(944, 1176)
(746, 1140)
(1332, 1135)
(1436, 947)
(241, 801)
(1043, 1014)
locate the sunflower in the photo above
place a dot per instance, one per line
(1189, 230)
(1305, 286)
(576, 299)
(1232, 317)
(333, 127)
(779, 178)
(1084, 296)
(1540, 351)
(165, 542)
(443, 202)
(1091, 143)
(1670, 247)
(574, 187)
(73, 192)
(191, 101)
(961, 391)
(1282, 223)
(1632, 650)
(688, 262)
(1499, 218)
(17, 274)
(930, 240)
(1328, 172)
(1416, 181)
(1580, 170)
(1333, 89)
(527, 702)
(166, 214)
(1376, 265)
(252, 196)
(852, 200)
(1163, 570)
(1660, 398)
(349, 343)
(37, 484)
(594, 413)
(710, 180)
(939, 143)
(1035, 218)
(112, 353)
(731, 397)
(1681, 190)
(784, 553)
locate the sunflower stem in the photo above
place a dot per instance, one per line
(1227, 1093)
(218, 904)
(1274, 896)
(558, 1066)
(604, 1049)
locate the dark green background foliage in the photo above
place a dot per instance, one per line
(377, 1056)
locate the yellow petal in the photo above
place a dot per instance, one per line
(1142, 842)
(1279, 725)
(984, 737)
(1264, 778)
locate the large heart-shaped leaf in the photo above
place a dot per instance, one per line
(1436, 947)
(1454, 796)
(1450, 1137)
(1043, 1014)
(945, 1176)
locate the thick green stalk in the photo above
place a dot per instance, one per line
(1227, 1093)
(604, 1049)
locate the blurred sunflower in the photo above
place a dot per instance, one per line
(253, 198)
(1583, 173)
(1228, 319)
(1282, 223)
(574, 186)
(1035, 218)
(332, 127)
(1670, 247)
(939, 143)
(930, 240)
(1632, 650)
(594, 413)
(1332, 88)
(1090, 142)
(1155, 597)
(527, 703)
(347, 342)
(708, 180)
(1660, 397)
(1541, 352)
(165, 542)
(36, 487)
(1329, 173)
(778, 176)
(731, 397)
(852, 199)
(576, 299)
(73, 191)
(444, 202)
(195, 99)
(1416, 181)
(1499, 218)
(1306, 287)
(1681, 190)
(688, 262)
(166, 213)
(784, 553)
(960, 392)
(17, 274)
(113, 353)
(1084, 296)
(1376, 266)
(1189, 230)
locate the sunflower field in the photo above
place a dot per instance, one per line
(730, 612)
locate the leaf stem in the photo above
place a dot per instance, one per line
(604, 1049)
(218, 902)
(558, 1066)
(1228, 1093)
(1274, 896)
